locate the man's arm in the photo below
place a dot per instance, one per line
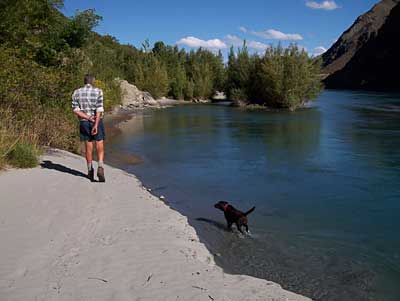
(82, 115)
(99, 111)
(100, 102)
(96, 123)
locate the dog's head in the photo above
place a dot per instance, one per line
(221, 205)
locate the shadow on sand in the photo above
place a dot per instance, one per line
(61, 168)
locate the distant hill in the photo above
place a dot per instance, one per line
(365, 27)
(376, 64)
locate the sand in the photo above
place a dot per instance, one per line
(64, 238)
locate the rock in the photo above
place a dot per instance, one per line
(238, 103)
(219, 96)
(132, 97)
(148, 100)
(169, 102)
(200, 100)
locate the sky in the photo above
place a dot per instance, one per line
(218, 24)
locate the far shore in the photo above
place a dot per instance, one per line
(65, 238)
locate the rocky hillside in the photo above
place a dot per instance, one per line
(376, 65)
(352, 40)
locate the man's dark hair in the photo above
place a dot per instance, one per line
(89, 79)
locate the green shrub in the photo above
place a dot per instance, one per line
(38, 101)
(285, 78)
(7, 135)
(24, 155)
(112, 93)
(237, 94)
(280, 78)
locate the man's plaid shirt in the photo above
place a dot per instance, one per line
(88, 99)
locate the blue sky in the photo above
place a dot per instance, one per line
(218, 24)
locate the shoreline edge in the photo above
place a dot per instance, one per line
(65, 238)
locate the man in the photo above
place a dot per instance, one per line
(87, 104)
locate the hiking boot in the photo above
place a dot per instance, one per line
(100, 174)
(91, 175)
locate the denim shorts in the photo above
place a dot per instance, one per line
(85, 129)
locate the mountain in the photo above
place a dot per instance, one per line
(376, 65)
(352, 40)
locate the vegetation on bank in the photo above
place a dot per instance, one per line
(40, 64)
(44, 55)
(280, 78)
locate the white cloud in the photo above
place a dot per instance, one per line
(278, 35)
(319, 50)
(236, 41)
(257, 45)
(194, 42)
(273, 34)
(325, 5)
(215, 44)
(233, 40)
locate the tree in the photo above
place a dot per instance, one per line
(178, 83)
(285, 78)
(238, 73)
(79, 29)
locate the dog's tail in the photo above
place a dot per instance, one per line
(250, 211)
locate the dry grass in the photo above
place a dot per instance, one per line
(20, 141)
(14, 138)
(8, 136)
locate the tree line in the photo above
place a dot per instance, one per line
(162, 70)
(44, 55)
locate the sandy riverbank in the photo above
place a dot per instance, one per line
(64, 238)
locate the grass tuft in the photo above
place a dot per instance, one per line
(18, 143)
(23, 155)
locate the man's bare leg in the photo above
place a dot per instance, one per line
(89, 152)
(100, 150)
(89, 159)
(100, 156)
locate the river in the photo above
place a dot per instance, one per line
(325, 181)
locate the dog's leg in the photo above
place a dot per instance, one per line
(238, 226)
(229, 226)
(247, 228)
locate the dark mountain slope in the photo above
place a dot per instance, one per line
(376, 65)
(365, 27)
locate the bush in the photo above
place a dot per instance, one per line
(39, 101)
(285, 78)
(237, 94)
(24, 155)
(7, 136)
(281, 78)
(111, 91)
(18, 143)
(41, 62)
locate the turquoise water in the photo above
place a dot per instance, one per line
(324, 180)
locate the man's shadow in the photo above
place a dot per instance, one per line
(50, 165)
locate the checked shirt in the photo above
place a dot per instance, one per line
(88, 99)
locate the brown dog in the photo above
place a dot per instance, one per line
(234, 216)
